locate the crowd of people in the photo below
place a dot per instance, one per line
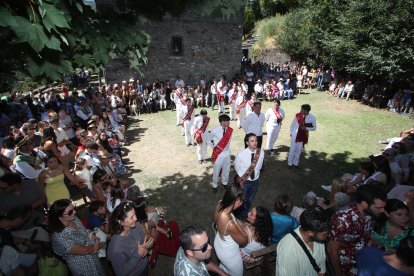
(60, 146)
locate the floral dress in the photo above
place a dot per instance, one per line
(384, 240)
(62, 243)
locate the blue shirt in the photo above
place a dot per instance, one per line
(370, 262)
(282, 224)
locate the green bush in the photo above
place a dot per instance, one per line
(269, 28)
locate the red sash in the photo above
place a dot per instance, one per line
(181, 97)
(278, 115)
(251, 104)
(233, 97)
(222, 144)
(243, 103)
(187, 116)
(200, 131)
(302, 135)
(220, 97)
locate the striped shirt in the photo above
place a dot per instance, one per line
(292, 260)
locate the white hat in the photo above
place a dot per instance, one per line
(131, 80)
(124, 81)
(259, 80)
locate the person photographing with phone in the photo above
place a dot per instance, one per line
(299, 134)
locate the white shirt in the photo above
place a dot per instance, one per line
(221, 90)
(183, 113)
(60, 136)
(70, 132)
(254, 123)
(214, 137)
(349, 87)
(198, 122)
(213, 89)
(85, 174)
(244, 160)
(258, 88)
(271, 118)
(91, 160)
(27, 170)
(231, 95)
(178, 83)
(294, 126)
(177, 99)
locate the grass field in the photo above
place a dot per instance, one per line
(168, 171)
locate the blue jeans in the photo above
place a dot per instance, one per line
(249, 191)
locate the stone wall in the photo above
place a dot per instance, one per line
(210, 46)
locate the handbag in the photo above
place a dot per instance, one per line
(302, 244)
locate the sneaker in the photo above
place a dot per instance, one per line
(214, 190)
(327, 187)
(289, 167)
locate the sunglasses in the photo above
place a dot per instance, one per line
(204, 247)
(70, 212)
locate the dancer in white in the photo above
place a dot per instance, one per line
(299, 134)
(187, 113)
(232, 102)
(274, 117)
(179, 102)
(221, 93)
(241, 102)
(200, 137)
(219, 140)
(250, 104)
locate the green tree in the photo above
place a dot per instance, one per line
(248, 20)
(368, 39)
(48, 38)
(294, 39)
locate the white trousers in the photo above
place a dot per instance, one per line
(163, 103)
(233, 109)
(242, 117)
(272, 134)
(201, 150)
(222, 163)
(221, 107)
(187, 132)
(178, 110)
(294, 152)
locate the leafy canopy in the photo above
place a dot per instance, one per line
(369, 39)
(48, 38)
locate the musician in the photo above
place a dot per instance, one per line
(219, 140)
(274, 117)
(247, 165)
(299, 134)
(221, 93)
(187, 113)
(200, 131)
